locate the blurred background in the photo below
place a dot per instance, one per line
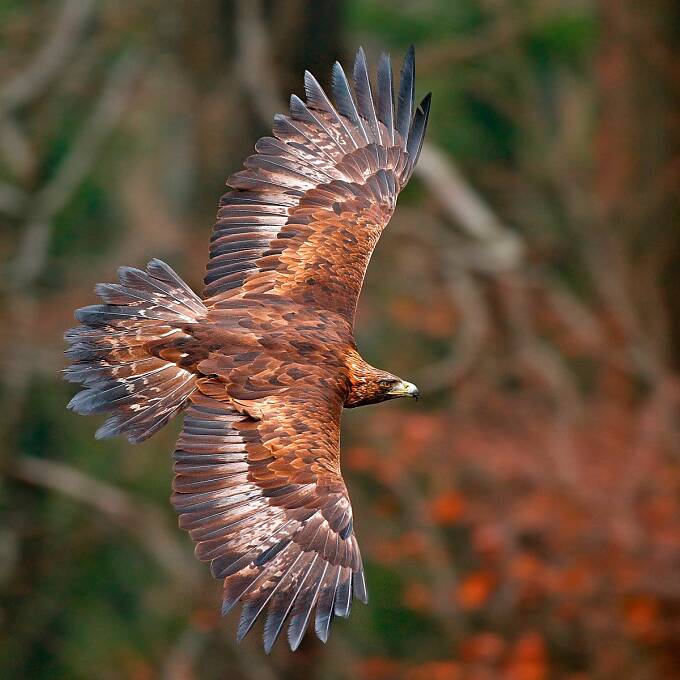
(521, 521)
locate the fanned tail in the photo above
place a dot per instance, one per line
(116, 357)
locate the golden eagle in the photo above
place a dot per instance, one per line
(265, 360)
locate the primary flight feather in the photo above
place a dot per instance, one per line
(264, 362)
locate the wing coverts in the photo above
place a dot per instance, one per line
(259, 363)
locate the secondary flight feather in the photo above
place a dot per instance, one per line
(265, 360)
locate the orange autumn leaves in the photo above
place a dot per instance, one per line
(447, 508)
(474, 590)
(527, 508)
(523, 543)
(483, 656)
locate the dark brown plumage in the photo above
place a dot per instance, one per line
(266, 361)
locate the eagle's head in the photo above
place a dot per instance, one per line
(370, 385)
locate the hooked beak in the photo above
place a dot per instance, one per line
(405, 389)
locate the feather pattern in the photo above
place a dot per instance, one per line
(317, 99)
(327, 186)
(265, 363)
(415, 141)
(345, 101)
(362, 87)
(142, 390)
(271, 553)
(407, 95)
(386, 97)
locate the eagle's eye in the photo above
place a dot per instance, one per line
(385, 383)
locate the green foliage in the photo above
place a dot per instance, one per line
(568, 38)
(401, 24)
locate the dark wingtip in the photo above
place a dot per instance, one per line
(410, 58)
(322, 628)
(405, 100)
(295, 636)
(360, 63)
(418, 129)
(82, 402)
(424, 108)
(359, 587)
(109, 429)
(227, 604)
(386, 94)
(364, 94)
(269, 639)
(84, 313)
(410, 61)
(245, 623)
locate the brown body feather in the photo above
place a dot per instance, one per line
(266, 361)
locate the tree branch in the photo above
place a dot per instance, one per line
(142, 520)
(32, 252)
(253, 61)
(503, 249)
(12, 199)
(55, 52)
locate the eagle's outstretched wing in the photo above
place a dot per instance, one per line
(313, 201)
(262, 369)
(258, 481)
(262, 496)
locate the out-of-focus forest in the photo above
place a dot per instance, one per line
(522, 521)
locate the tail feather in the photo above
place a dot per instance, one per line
(111, 355)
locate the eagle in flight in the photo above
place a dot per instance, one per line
(265, 360)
